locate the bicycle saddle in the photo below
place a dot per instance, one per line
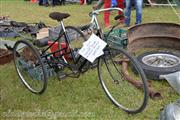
(58, 16)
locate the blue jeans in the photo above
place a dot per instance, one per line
(138, 6)
(45, 1)
(41, 2)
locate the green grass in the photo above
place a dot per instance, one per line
(81, 98)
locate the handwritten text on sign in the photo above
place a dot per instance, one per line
(92, 48)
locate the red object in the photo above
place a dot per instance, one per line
(120, 5)
(33, 1)
(55, 48)
(107, 4)
(81, 2)
(67, 56)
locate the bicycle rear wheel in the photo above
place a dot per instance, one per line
(117, 82)
(29, 67)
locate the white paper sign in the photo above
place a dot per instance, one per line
(92, 48)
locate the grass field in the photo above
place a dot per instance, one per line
(81, 98)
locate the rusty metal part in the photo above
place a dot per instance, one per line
(154, 35)
(138, 84)
(5, 56)
(29, 55)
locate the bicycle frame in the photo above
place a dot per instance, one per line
(93, 24)
(65, 63)
(63, 32)
(112, 66)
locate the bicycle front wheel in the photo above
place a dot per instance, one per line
(122, 84)
(29, 67)
(75, 39)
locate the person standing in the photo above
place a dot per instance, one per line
(120, 4)
(43, 2)
(107, 4)
(58, 2)
(138, 7)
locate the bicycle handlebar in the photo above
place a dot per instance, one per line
(106, 9)
(94, 21)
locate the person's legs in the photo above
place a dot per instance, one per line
(120, 5)
(128, 12)
(81, 2)
(107, 4)
(54, 2)
(40, 2)
(63, 2)
(45, 1)
(138, 4)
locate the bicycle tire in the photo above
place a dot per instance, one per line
(29, 67)
(115, 84)
(75, 39)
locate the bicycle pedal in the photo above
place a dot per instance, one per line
(61, 76)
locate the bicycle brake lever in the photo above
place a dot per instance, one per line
(119, 16)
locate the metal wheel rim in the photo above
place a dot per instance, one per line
(22, 76)
(161, 60)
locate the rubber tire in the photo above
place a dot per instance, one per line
(154, 72)
(39, 59)
(70, 42)
(78, 31)
(108, 93)
(87, 65)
